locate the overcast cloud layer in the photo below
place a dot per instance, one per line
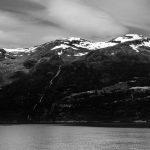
(26, 23)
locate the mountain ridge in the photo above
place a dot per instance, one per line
(74, 43)
(71, 80)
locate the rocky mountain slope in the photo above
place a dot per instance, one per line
(75, 79)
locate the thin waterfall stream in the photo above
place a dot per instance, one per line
(46, 88)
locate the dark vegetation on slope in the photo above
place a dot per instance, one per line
(94, 87)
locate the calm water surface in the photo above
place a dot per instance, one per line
(50, 137)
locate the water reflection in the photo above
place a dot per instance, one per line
(48, 137)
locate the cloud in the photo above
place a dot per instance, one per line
(7, 20)
(20, 5)
(8, 25)
(8, 39)
(131, 13)
(26, 31)
(83, 20)
(25, 23)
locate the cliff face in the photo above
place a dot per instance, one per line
(74, 79)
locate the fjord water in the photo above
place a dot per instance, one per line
(52, 137)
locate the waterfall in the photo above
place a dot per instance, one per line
(46, 88)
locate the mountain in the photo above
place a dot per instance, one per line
(75, 79)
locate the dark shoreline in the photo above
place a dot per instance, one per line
(86, 124)
(113, 125)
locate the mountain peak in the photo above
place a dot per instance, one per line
(74, 39)
(129, 37)
(75, 46)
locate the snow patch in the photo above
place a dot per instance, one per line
(94, 46)
(129, 37)
(21, 50)
(62, 46)
(74, 48)
(134, 47)
(74, 39)
(147, 44)
(81, 54)
(60, 53)
(144, 43)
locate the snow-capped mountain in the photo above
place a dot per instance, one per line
(128, 37)
(74, 46)
(75, 79)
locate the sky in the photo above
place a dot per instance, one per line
(25, 23)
